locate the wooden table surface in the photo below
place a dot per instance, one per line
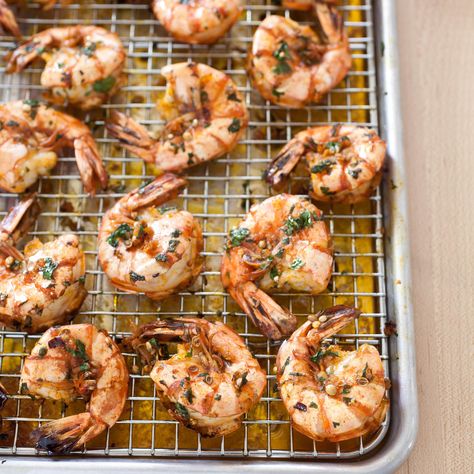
(436, 41)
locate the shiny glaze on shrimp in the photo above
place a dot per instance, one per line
(197, 21)
(291, 65)
(206, 118)
(282, 244)
(150, 250)
(331, 394)
(44, 285)
(72, 361)
(345, 162)
(30, 136)
(84, 64)
(213, 380)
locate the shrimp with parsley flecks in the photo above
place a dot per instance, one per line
(75, 361)
(291, 65)
(212, 381)
(282, 244)
(44, 285)
(30, 135)
(331, 394)
(197, 21)
(206, 118)
(147, 249)
(84, 64)
(345, 162)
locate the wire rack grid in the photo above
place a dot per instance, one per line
(219, 194)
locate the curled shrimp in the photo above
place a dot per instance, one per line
(291, 65)
(206, 117)
(213, 380)
(84, 64)
(150, 250)
(197, 21)
(44, 285)
(282, 244)
(345, 162)
(75, 361)
(31, 133)
(331, 394)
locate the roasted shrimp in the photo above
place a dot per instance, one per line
(8, 20)
(75, 361)
(206, 117)
(282, 244)
(84, 64)
(197, 21)
(30, 135)
(213, 380)
(291, 65)
(331, 394)
(150, 250)
(345, 162)
(44, 285)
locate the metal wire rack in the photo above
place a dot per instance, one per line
(219, 194)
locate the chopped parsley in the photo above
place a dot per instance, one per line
(181, 410)
(325, 191)
(364, 372)
(234, 127)
(324, 165)
(188, 394)
(316, 358)
(89, 49)
(172, 244)
(274, 273)
(237, 236)
(296, 264)
(233, 96)
(48, 268)
(335, 424)
(354, 173)
(136, 277)
(304, 220)
(282, 55)
(176, 233)
(313, 405)
(161, 257)
(347, 400)
(79, 351)
(104, 85)
(162, 210)
(333, 147)
(123, 231)
(42, 351)
(218, 396)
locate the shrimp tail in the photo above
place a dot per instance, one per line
(330, 24)
(133, 136)
(335, 318)
(285, 162)
(90, 165)
(16, 223)
(8, 20)
(159, 191)
(271, 319)
(66, 434)
(3, 396)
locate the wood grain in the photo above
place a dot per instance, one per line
(436, 41)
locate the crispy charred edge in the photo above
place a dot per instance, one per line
(8, 20)
(63, 435)
(323, 10)
(3, 396)
(164, 330)
(133, 136)
(271, 319)
(17, 223)
(285, 162)
(338, 317)
(160, 190)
